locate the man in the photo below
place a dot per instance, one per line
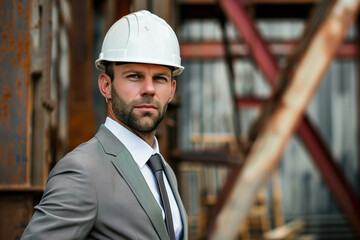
(106, 188)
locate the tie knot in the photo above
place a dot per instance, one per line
(155, 163)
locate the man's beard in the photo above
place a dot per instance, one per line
(124, 113)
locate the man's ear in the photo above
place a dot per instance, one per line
(173, 88)
(104, 83)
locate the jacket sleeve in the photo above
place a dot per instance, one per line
(67, 209)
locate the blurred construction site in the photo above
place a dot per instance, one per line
(264, 131)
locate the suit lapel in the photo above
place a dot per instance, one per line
(126, 166)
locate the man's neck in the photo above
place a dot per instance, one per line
(148, 137)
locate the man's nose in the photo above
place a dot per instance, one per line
(148, 87)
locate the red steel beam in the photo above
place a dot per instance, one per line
(235, 10)
(249, 101)
(338, 183)
(335, 179)
(213, 49)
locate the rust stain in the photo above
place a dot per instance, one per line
(20, 95)
(1, 114)
(2, 8)
(13, 164)
(9, 150)
(25, 60)
(11, 39)
(4, 36)
(27, 14)
(20, 8)
(20, 46)
(18, 83)
(4, 105)
(1, 148)
(16, 44)
(14, 62)
(19, 130)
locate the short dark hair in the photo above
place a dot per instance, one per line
(109, 70)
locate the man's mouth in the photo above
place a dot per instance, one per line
(146, 107)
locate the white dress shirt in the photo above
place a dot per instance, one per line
(141, 152)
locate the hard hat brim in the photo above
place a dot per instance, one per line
(101, 64)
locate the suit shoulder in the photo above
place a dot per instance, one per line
(82, 157)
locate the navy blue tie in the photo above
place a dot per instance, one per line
(156, 165)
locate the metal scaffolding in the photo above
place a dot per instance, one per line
(30, 96)
(285, 111)
(293, 87)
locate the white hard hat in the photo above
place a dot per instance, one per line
(141, 37)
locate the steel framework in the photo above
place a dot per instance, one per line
(285, 112)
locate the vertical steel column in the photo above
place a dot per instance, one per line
(25, 102)
(81, 112)
(15, 82)
(231, 79)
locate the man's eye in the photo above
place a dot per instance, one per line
(133, 76)
(159, 78)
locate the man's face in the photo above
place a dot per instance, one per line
(140, 95)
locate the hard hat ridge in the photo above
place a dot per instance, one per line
(141, 37)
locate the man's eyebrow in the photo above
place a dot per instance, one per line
(163, 73)
(131, 71)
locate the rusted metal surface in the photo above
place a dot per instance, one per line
(15, 209)
(210, 50)
(14, 92)
(81, 112)
(25, 104)
(23, 59)
(268, 147)
(81, 107)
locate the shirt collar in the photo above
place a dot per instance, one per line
(138, 148)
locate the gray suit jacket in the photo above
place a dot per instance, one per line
(98, 192)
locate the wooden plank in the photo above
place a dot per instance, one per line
(268, 147)
(287, 231)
